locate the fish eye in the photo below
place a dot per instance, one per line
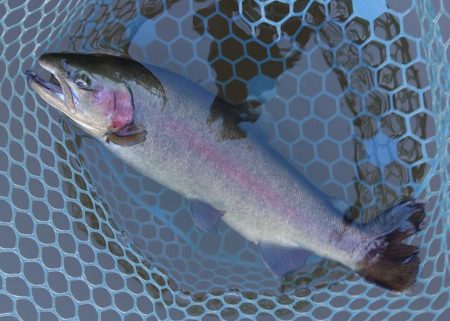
(82, 80)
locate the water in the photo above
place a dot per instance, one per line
(306, 76)
(351, 107)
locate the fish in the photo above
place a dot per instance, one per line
(162, 125)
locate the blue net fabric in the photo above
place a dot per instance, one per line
(358, 95)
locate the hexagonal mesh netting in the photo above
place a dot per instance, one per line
(358, 92)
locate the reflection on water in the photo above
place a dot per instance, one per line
(350, 110)
(111, 25)
(237, 56)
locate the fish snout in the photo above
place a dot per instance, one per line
(52, 62)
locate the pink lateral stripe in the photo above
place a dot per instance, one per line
(231, 168)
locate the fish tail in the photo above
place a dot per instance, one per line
(389, 262)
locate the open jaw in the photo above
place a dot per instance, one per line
(51, 91)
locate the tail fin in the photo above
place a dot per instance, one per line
(389, 262)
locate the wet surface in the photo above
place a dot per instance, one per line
(347, 95)
(346, 87)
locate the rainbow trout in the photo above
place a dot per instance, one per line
(161, 124)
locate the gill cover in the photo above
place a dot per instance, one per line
(105, 107)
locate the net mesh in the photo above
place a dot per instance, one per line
(358, 94)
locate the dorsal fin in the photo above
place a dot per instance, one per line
(232, 116)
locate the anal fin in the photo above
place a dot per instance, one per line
(204, 215)
(281, 260)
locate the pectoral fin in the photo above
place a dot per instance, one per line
(126, 137)
(281, 260)
(204, 215)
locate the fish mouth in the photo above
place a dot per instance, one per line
(55, 91)
(50, 91)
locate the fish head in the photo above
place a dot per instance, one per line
(93, 90)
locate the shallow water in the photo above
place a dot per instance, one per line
(347, 105)
(350, 106)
